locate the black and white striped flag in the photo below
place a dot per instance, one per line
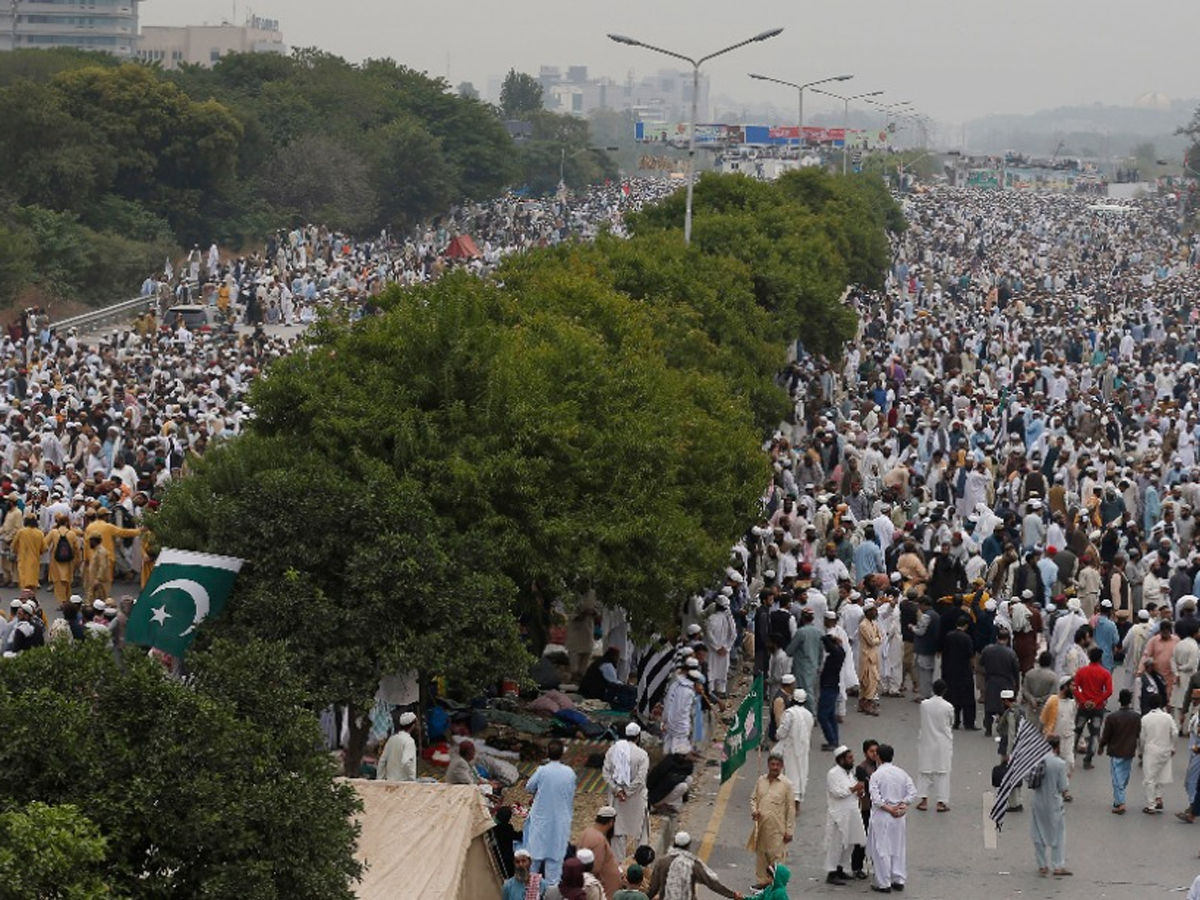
(1029, 749)
(653, 672)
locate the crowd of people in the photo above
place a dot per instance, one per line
(986, 505)
(988, 501)
(301, 270)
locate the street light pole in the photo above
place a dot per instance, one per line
(846, 117)
(695, 64)
(800, 89)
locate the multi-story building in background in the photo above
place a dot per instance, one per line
(107, 25)
(203, 45)
(665, 96)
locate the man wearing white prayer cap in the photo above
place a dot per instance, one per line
(793, 737)
(398, 761)
(680, 872)
(626, 766)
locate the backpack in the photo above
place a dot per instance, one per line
(63, 551)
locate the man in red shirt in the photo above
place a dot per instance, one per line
(1093, 687)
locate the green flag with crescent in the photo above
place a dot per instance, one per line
(184, 589)
(745, 733)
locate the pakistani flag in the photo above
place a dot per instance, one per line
(745, 733)
(184, 589)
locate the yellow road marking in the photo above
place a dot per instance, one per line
(718, 814)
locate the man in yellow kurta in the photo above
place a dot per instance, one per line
(98, 572)
(869, 639)
(8, 531)
(774, 813)
(27, 546)
(107, 532)
(61, 572)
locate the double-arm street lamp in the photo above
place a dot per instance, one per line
(800, 91)
(846, 116)
(695, 64)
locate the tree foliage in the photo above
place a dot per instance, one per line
(215, 789)
(257, 141)
(520, 95)
(805, 237)
(51, 852)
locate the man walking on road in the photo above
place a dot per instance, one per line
(831, 685)
(843, 828)
(773, 809)
(1049, 824)
(935, 744)
(1158, 747)
(1093, 687)
(794, 736)
(1120, 738)
(892, 792)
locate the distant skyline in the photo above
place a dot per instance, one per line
(956, 61)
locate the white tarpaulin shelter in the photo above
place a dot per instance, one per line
(424, 842)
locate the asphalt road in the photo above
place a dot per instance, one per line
(1134, 855)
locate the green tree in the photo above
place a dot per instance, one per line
(805, 237)
(544, 426)
(468, 91)
(51, 852)
(352, 543)
(16, 261)
(214, 789)
(317, 178)
(410, 173)
(520, 95)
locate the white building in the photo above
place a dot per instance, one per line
(105, 25)
(661, 98)
(203, 45)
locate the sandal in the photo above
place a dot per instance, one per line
(942, 807)
(923, 805)
(1119, 810)
(1148, 810)
(1059, 873)
(1044, 871)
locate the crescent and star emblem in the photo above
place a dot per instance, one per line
(194, 589)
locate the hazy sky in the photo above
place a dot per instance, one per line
(954, 60)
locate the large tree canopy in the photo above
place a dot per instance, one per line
(805, 238)
(212, 789)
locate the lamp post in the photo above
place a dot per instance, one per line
(800, 91)
(695, 64)
(846, 116)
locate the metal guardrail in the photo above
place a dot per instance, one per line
(98, 317)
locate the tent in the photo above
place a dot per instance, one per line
(425, 842)
(462, 247)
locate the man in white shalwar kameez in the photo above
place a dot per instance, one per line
(892, 793)
(677, 715)
(720, 633)
(794, 735)
(614, 625)
(398, 761)
(935, 747)
(1158, 746)
(626, 766)
(1063, 638)
(843, 827)
(891, 651)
